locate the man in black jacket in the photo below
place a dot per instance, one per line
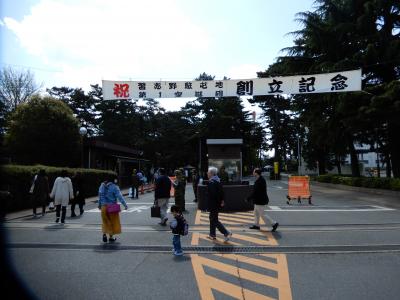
(215, 202)
(260, 200)
(135, 184)
(162, 193)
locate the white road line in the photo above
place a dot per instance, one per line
(277, 187)
(280, 209)
(136, 209)
(275, 208)
(151, 203)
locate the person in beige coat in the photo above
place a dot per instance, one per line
(62, 192)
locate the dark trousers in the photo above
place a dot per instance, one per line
(215, 223)
(43, 209)
(135, 192)
(73, 208)
(180, 201)
(63, 212)
(195, 192)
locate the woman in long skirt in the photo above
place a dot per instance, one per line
(109, 193)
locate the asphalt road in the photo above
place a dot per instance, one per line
(345, 246)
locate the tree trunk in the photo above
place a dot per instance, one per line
(355, 167)
(321, 167)
(278, 159)
(338, 164)
(388, 165)
(321, 162)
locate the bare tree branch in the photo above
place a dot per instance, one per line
(16, 87)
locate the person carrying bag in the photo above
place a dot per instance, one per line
(109, 195)
(162, 194)
(62, 193)
(155, 210)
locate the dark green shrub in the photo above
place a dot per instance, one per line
(17, 179)
(385, 183)
(335, 179)
(356, 181)
(346, 180)
(324, 178)
(368, 182)
(395, 184)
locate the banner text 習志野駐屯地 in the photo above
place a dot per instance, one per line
(346, 81)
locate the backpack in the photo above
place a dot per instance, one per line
(183, 226)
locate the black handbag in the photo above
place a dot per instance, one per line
(155, 211)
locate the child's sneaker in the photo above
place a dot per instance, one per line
(178, 253)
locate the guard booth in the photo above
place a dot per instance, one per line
(227, 153)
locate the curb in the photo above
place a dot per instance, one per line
(357, 189)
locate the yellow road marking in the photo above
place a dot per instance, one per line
(245, 274)
(271, 242)
(236, 220)
(201, 278)
(203, 221)
(228, 220)
(252, 261)
(195, 238)
(198, 215)
(245, 214)
(285, 292)
(217, 241)
(234, 291)
(206, 283)
(238, 217)
(233, 216)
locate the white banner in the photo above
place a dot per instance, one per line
(302, 84)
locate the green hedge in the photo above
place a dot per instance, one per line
(368, 182)
(17, 180)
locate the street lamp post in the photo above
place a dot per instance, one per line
(82, 132)
(306, 130)
(199, 155)
(298, 155)
(198, 133)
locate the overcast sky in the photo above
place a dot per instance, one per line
(76, 43)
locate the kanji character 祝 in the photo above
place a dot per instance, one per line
(121, 90)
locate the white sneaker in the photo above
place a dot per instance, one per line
(228, 236)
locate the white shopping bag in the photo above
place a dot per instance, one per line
(130, 193)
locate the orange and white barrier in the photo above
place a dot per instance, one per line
(149, 187)
(299, 188)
